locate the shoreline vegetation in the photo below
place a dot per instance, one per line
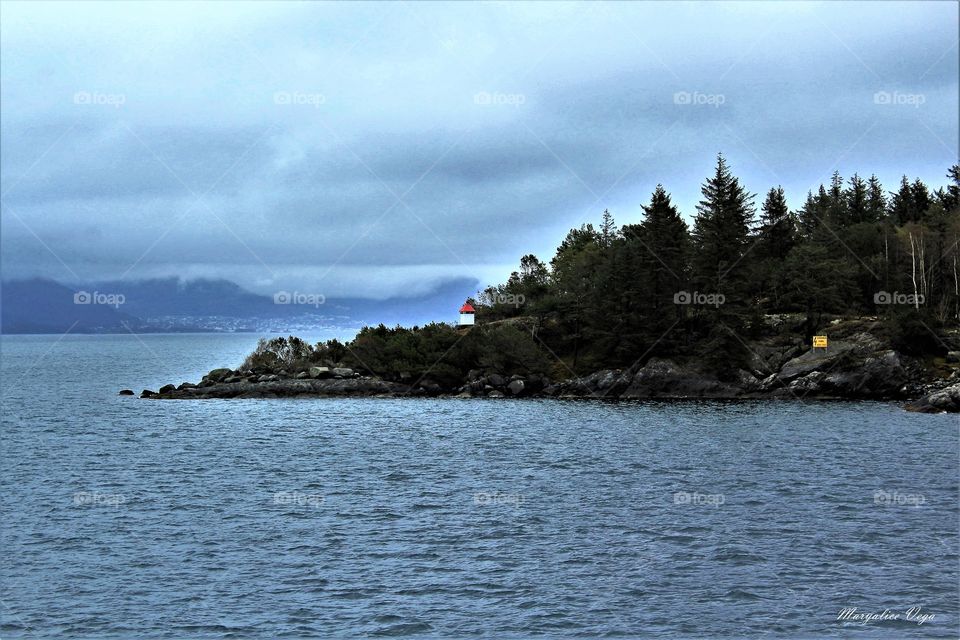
(727, 309)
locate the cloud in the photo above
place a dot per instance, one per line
(399, 146)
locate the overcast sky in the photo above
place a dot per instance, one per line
(379, 149)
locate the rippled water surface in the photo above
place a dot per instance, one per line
(450, 518)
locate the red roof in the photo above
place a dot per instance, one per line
(466, 308)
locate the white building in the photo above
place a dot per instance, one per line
(466, 315)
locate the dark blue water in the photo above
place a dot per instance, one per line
(452, 518)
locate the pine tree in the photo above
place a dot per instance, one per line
(721, 232)
(902, 206)
(777, 233)
(856, 200)
(921, 199)
(837, 214)
(608, 229)
(876, 200)
(665, 238)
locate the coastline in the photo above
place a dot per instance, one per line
(859, 367)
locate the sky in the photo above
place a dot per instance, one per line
(380, 150)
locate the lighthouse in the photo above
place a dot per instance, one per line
(466, 315)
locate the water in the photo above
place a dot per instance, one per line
(450, 518)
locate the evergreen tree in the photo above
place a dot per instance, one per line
(777, 233)
(876, 200)
(608, 229)
(663, 251)
(921, 199)
(902, 206)
(856, 197)
(837, 215)
(721, 233)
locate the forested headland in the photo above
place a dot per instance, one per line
(725, 307)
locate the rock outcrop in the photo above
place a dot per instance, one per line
(855, 366)
(945, 400)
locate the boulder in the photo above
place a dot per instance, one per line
(302, 375)
(430, 388)
(125, 392)
(516, 387)
(814, 360)
(495, 394)
(945, 400)
(319, 372)
(496, 380)
(218, 375)
(342, 372)
(167, 388)
(662, 378)
(186, 385)
(147, 393)
(233, 379)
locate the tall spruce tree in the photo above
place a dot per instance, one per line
(721, 233)
(876, 200)
(856, 200)
(903, 209)
(777, 233)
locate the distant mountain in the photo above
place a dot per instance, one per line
(171, 304)
(45, 306)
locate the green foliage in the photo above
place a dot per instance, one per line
(614, 296)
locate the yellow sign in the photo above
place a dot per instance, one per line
(819, 341)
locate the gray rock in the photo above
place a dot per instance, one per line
(126, 392)
(319, 372)
(516, 387)
(186, 385)
(147, 393)
(814, 360)
(496, 394)
(232, 379)
(302, 375)
(218, 375)
(662, 378)
(943, 401)
(291, 388)
(343, 372)
(167, 388)
(496, 380)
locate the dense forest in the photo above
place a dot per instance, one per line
(614, 296)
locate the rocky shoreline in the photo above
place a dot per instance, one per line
(859, 367)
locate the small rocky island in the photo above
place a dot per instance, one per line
(856, 365)
(853, 295)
